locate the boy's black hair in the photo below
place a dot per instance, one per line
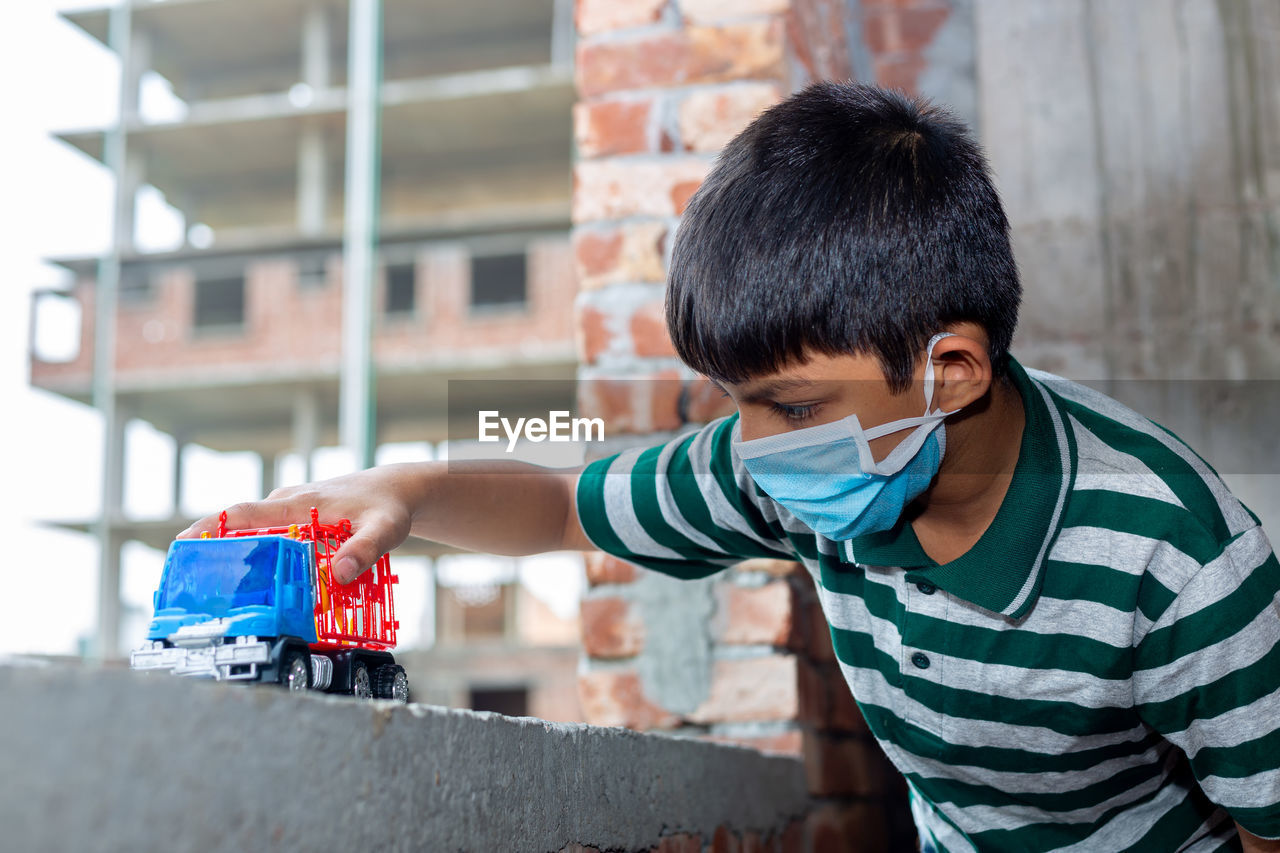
(846, 219)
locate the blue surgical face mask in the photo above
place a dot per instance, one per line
(826, 476)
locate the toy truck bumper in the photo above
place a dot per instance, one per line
(229, 662)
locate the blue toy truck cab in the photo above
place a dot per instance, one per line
(243, 608)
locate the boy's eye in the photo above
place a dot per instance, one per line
(795, 414)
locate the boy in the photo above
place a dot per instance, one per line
(1058, 623)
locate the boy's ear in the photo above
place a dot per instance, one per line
(961, 370)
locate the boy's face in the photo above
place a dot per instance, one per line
(822, 389)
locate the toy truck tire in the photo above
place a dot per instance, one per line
(276, 671)
(295, 671)
(361, 682)
(344, 666)
(391, 682)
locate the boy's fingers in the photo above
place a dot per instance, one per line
(273, 512)
(363, 549)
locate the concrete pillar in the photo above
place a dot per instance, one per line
(315, 47)
(179, 473)
(110, 540)
(120, 26)
(357, 403)
(306, 428)
(266, 473)
(562, 35)
(313, 181)
(313, 185)
(136, 62)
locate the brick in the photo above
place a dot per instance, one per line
(901, 71)
(682, 842)
(608, 189)
(750, 50)
(604, 128)
(894, 30)
(711, 11)
(814, 702)
(724, 840)
(610, 629)
(816, 37)
(842, 711)
(793, 839)
(845, 766)
(596, 253)
(820, 648)
(760, 688)
(758, 614)
(649, 332)
(826, 703)
(598, 16)
(616, 698)
(848, 827)
(682, 194)
(784, 743)
(709, 119)
(704, 402)
(604, 568)
(629, 253)
(640, 405)
(594, 336)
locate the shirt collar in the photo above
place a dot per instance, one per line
(1004, 570)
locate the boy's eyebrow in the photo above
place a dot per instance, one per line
(763, 390)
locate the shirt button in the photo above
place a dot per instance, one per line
(926, 588)
(921, 660)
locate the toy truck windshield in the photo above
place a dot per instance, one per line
(215, 576)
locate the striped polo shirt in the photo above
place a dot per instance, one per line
(1100, 672)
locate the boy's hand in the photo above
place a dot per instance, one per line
(492, 507)
(374, 501)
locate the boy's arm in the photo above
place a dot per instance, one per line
(1251, 843)
(494, 507)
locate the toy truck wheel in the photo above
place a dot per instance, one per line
(361, 686)
(295, 674)
(390, 682)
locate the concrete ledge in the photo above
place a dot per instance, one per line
(112, 760)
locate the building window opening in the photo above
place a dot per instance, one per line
(220, 303)
(498, 281)
(513, 702)
(400, 290)
(135, 286)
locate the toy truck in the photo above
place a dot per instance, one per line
(263, 605)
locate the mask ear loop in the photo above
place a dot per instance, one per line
(928, 370)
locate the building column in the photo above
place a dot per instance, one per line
(179, 473)
(306, 429)
(110, 540)
(266, 474)
(313, 184)
(357, 401)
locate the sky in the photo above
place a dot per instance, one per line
(55, 201)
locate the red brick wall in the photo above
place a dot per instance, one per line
(663, 85)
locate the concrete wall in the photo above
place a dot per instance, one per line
(1137, 149)
(112, 760)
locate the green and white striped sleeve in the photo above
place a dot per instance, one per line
(1207, 677)
(685, 508)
